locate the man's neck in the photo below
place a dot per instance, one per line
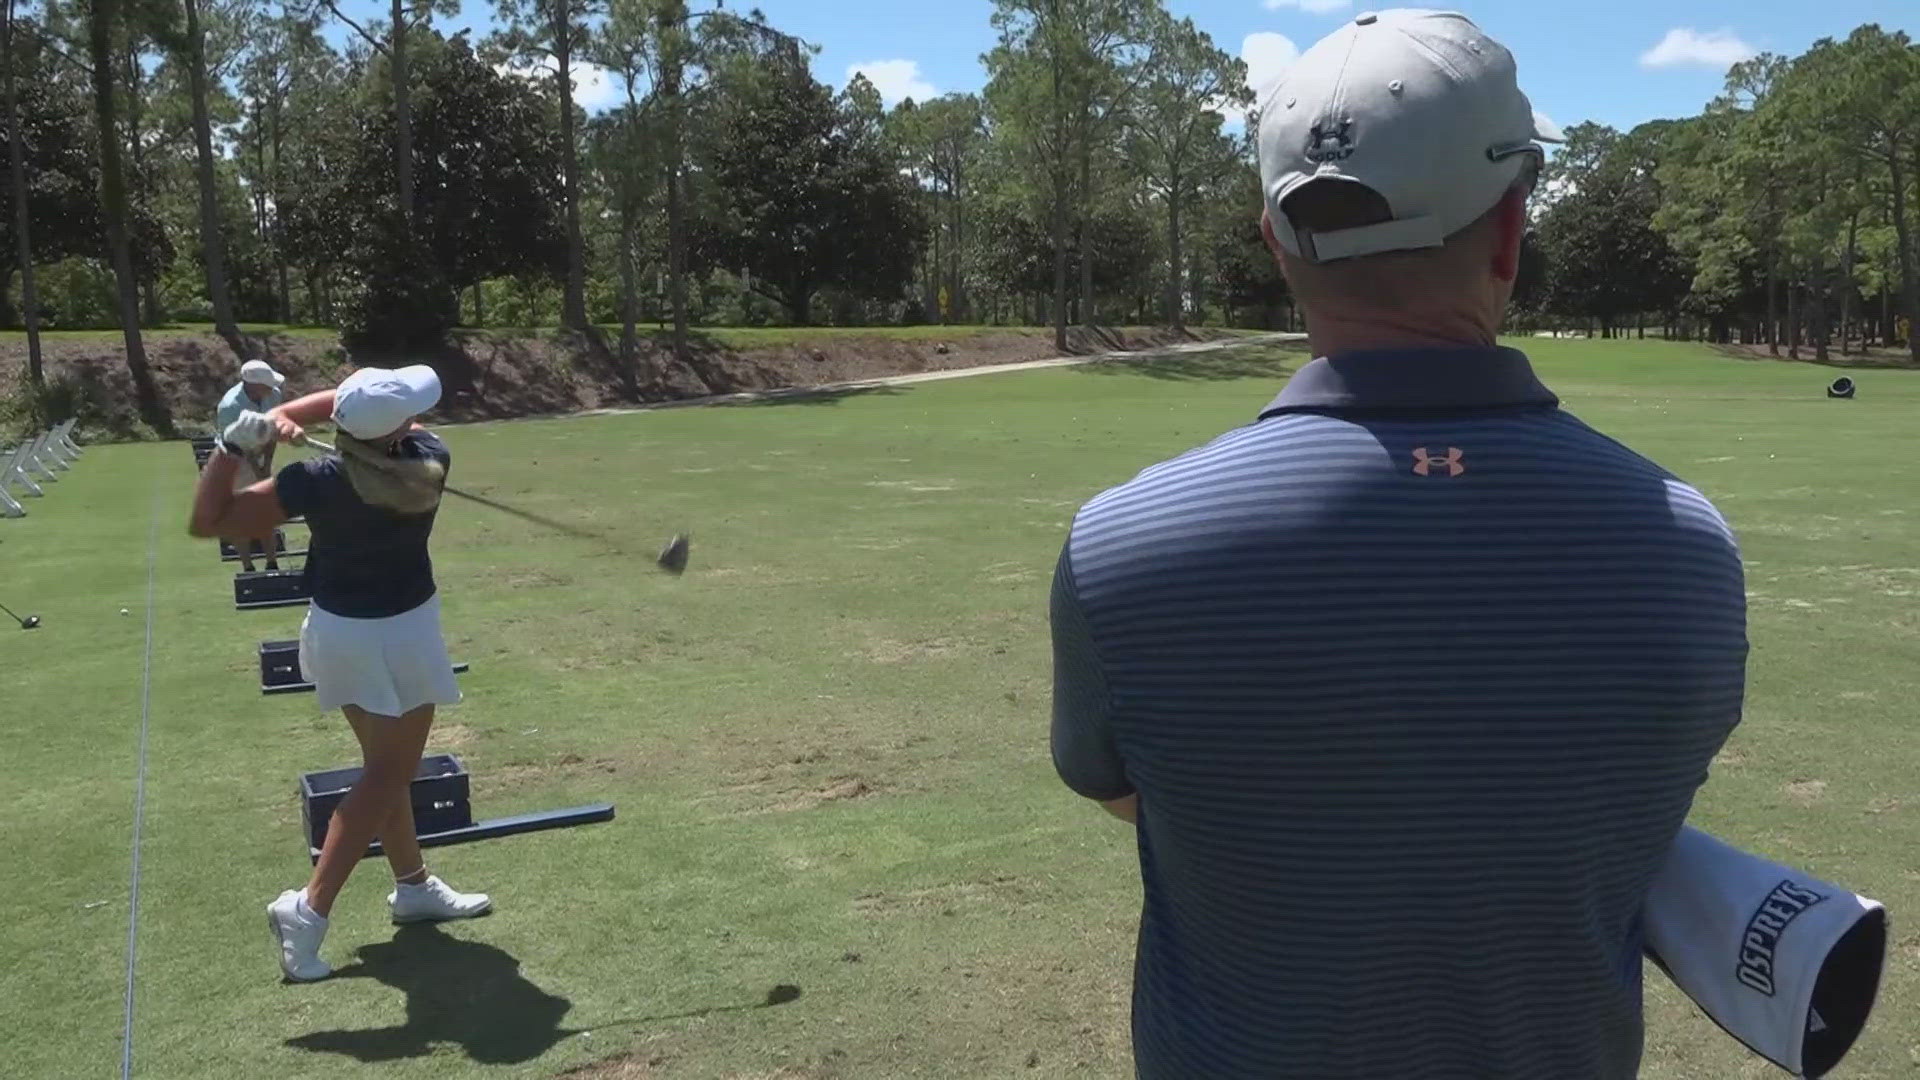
(1331, 335)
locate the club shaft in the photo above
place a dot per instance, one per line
(561, 526)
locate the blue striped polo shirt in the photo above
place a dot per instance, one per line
(1415, 677)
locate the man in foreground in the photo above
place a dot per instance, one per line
(259, 389)
(1409, 684)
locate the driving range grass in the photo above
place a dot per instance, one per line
(826, 741)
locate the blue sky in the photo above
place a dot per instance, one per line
(1620, 62)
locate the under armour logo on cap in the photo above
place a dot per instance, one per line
(1425, 462)
(1330, 142)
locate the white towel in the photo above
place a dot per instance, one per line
(1786, 963)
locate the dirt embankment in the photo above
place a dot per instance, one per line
(491, 375)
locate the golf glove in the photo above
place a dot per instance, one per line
(250, 434)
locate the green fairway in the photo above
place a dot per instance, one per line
(827, 742)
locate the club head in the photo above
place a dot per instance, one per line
(31, 622)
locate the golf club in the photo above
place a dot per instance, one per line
(672, 558)
(28, 623)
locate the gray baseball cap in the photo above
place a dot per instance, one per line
(1421, 107)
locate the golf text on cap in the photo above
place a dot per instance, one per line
(1757, 946)
(1330, 143)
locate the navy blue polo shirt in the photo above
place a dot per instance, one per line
(363, 562)
(1415, 677)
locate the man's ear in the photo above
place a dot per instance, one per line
(1266, 232)
(1273, 244)
(1510, 228)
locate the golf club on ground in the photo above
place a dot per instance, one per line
(28, 623)
(672, 558)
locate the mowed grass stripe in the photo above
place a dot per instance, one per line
(70, 713)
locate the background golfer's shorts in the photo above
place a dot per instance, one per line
(385, 666)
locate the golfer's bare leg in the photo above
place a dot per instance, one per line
(401, 842)
(243, 545)
(392, 747)
(397, 835)
(267, 543)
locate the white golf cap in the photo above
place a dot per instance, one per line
(260, 373)
(1788, 964)
(373, 402)
(1419, 106)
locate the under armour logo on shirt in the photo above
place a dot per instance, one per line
(1425, 462)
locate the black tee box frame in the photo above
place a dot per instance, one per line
(440, 794)
(442, 808)
(228, 553)
(280, 668)
(270, 589)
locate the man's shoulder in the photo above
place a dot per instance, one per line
(1262, 443)
(1609, 463)
(1294, 457)
(1303, 461)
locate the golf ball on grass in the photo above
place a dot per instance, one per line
(123, 611)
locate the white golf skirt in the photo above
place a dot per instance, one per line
(385, 666)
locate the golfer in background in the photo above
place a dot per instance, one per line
(259, 389)
(371, 642)
(1407, 684)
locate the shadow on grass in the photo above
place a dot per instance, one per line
(471, 994)
(777, 996)
(1880, 361)
(1254, 362)
(640, 1063)
(801, 395)
(464, 992)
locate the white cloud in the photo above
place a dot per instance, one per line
(1268, 56)
(895, 79)
(1311, 7)
(1683, 45)
(594, 88)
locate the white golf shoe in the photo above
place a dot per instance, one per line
(299, 931)
(433, 900)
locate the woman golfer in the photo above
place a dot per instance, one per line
(371, 641)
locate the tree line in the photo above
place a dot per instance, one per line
(222, 161)
(1786, 214)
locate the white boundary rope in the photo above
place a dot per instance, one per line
(139, 801)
